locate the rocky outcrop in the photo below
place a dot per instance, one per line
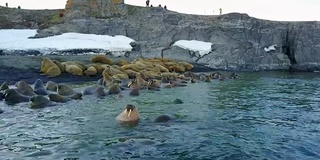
(13, 18)
(238, 41)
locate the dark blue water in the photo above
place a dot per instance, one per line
(266, 115)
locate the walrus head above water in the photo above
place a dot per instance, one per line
(129, 114)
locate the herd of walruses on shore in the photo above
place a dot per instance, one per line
(116, 79)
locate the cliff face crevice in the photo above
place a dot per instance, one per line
(239, 42)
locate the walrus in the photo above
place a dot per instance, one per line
(208, 78)
(74, 70)
(11, 96)
(91, 71)
(153, 85)
(114, 89)
(76, 96)
(38, 88)
(234, 75)
(177, 101)
(133, 84)
(173, 84)
(4, 86)
(187, 65)
(101, 59)
(58, 98)
(100, 82)
(222, 77)
(122, 62)
(129, 114)
(107, 79)
(99, 92)
(49, 68)
(162, 119)
(24, 88)
(193, 80)
(134, 92)
(51, 86)
(65, 90)
(90, 90)
(39, 101)
(60, 65)
(202, 77)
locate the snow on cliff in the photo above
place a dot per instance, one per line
(15, 39)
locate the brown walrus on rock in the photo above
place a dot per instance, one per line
(129, 114)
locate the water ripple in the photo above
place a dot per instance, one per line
(266, 115)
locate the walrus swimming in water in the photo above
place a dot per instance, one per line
(177, 101)
(90, 90)
(153, 85)
(58, 98)
(234, 75)
(4, 86)
(24, 88)
(38, 88)
(162, 119)
(51, 86)
(129, 114)
(99, 92)
(133, 84)
(39, 101)
(134, 92)
(11, 96)
(114, 89)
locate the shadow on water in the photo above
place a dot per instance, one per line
(265, 115)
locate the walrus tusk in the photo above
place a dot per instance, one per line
(129, 113)
(130, 83)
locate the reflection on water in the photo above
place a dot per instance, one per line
(271, 115)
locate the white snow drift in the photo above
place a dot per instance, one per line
(194, 45)
(18, 40)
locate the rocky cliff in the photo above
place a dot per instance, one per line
(238, 41)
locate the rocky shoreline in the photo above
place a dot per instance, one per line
(15, 68)
(239, 41)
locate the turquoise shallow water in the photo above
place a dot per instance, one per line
(265, 115)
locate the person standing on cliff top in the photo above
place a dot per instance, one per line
(7, 4)
(147, 3)
(165, 7)
(220, 11)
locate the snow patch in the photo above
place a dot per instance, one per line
(202, 47)
(270, 48)
(14, 39)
